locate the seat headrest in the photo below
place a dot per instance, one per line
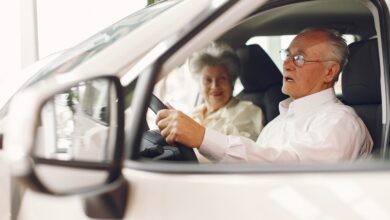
(258, 71)
(361, 75)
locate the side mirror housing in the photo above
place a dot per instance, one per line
(66, 137)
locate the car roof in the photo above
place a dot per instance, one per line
(290, 17)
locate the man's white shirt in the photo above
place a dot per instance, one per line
(315, 128)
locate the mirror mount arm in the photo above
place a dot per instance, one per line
(109, 204)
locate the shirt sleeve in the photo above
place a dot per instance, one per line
(229, 148)
(341, 138)
(214, 145)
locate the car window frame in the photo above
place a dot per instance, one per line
(358, 166)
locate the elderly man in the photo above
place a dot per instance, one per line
(313, 125)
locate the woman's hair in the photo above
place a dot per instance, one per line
(213, 55)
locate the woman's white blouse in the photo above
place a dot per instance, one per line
(237, 117)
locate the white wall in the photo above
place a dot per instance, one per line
(61, 24)
(10, 46)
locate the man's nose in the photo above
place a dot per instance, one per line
(288, 64)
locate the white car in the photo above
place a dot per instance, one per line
(81, 137)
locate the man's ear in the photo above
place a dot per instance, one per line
(332, 71)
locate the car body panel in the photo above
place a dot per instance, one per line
(295, 196)
(5, 187)
(258, 196)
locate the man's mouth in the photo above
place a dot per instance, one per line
(288, 79)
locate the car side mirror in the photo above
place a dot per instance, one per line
(77, 137)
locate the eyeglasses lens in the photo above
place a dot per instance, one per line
(298, 60)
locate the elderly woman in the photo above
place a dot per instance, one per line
(216, 68)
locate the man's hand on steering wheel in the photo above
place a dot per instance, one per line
(177, 127)
(186, 153)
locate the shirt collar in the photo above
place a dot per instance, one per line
(308, 102)
(232, 102)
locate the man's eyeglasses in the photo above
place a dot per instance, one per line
(298, 59)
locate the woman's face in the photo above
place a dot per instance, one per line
(216, 87)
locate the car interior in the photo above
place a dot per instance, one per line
(361, 87)
(261, 78)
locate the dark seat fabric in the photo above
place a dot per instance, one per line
(261, 79)
(361, 86)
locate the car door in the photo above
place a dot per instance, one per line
(279, 191)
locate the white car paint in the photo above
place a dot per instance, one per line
(5, 188)
(308, 196)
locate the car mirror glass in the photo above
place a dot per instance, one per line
(76, 136)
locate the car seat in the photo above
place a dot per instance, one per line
(261, 79)
(361, 87)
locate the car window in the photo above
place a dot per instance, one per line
(169, 89)
(178, 89)
(181, 90)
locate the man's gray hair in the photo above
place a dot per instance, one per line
(339, 48)
(213, 55)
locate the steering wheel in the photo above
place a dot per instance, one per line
(154, 145)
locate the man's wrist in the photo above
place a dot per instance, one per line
(201, 137)
(214, 144)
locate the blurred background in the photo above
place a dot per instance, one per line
(35, 29)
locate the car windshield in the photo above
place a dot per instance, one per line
(82, 52)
